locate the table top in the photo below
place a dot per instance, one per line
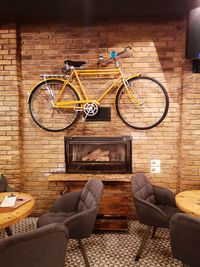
(189, 202)
(77, 177)
(8, 218)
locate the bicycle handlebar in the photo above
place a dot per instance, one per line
(114, 55)
(125, 50)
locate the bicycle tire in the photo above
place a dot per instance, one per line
(41, 110)
(155, 103)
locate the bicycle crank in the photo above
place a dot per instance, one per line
(90, 109)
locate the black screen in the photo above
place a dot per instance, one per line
(193, 35)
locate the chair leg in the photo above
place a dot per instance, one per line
(8, 231)
(145, 237)
(83, 253)
(154, 231)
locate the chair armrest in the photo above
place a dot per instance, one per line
(150, 214)
(164, 196)
(81, 224)
(37, 233)
(67, 202)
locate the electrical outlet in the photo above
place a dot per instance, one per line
(155, 169)
(155, 162)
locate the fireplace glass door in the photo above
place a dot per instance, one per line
(98, 154)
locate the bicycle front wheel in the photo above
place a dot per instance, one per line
(42, 110)
(154, 103)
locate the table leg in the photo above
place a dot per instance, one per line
(8, 231)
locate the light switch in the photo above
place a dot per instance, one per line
(155, 162)
(155, 169)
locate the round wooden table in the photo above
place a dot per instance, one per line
(189, 202)
(9, 216)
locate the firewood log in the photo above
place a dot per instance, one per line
(103, 158)
(95, 155)
(90, 156)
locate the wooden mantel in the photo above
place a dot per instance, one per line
(59, 177)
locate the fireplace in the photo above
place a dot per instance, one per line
(98, 154)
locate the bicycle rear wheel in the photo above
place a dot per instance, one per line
(41, 106)
(154, 107)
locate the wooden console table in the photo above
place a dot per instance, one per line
(114, 208)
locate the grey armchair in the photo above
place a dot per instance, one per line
(44, 247)
(185, 239)
(154, 206)
(78, 211)
(4, 187)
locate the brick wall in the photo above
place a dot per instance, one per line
(10, 135)
(158, 50)
(190, 149)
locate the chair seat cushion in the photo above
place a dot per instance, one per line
(51, 217)
(169, 211)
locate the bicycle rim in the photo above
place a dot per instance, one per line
(42, 111)
(154, 103)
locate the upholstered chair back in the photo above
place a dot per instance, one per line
(3, 184)
(142, 188)
(90, 195)
(185, 238)
(43, 247)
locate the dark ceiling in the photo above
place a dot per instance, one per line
(93, 10)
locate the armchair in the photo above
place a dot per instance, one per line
(185, 239)
(78, 211)
(44, 247)
(4, 187)
(154, 206)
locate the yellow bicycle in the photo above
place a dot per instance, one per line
(56, 102)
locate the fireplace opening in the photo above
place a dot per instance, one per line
(98, 154)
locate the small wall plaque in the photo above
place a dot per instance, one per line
(103, 114)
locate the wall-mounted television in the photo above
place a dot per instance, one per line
(193, 35)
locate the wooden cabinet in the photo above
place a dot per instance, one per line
(113, 213)
(114, 208)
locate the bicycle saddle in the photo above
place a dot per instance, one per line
(74, 63)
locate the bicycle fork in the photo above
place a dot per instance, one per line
(51, 96)
(133, 98)
(50, 93)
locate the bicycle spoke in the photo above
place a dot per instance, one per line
(153, 109)
(42, 106)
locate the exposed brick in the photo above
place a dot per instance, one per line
(28, 153)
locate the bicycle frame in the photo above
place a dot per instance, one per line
(76, 74)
